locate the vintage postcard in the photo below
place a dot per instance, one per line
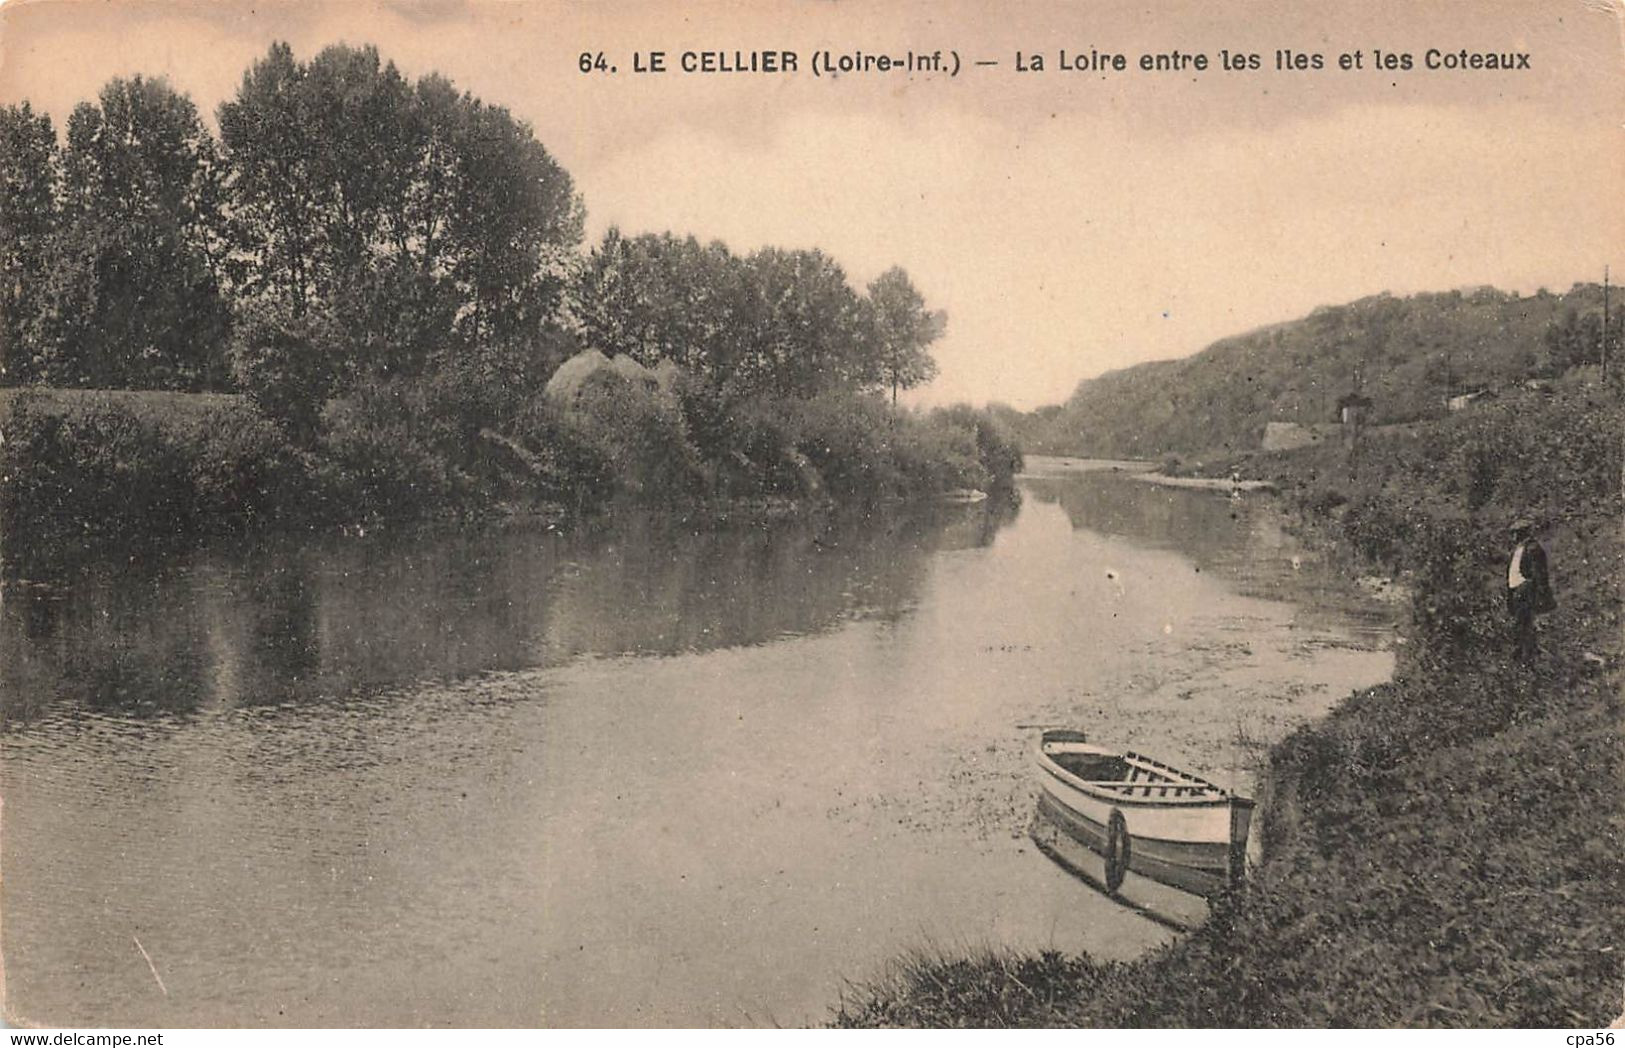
(517, 513)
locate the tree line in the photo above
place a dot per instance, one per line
(777, 322)
(391, 271)
(346, 225)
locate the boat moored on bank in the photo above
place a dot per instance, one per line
(1142, 815)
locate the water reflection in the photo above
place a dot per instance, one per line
(291, 619)
(1243, 539)
(652, 773)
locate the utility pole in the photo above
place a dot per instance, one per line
(1605, 325)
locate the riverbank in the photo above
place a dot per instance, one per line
(84, 466)
(1222, 484)
(1442, 850)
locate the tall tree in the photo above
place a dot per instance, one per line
(901, 331)
(131, 293)
(1576, 340)
(807, 332)
(357, 110)
(513, 222)
(420, 219)
(274, 199)
(786, 323)
(371, 140)
(656, 297)
(28, 185)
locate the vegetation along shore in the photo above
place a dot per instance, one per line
(357, 302)
(1447, 849)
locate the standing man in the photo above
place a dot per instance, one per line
(1529, 589)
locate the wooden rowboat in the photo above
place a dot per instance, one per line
(1142, 815)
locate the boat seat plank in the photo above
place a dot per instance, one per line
(1121, 785)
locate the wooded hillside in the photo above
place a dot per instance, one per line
(1408, 355)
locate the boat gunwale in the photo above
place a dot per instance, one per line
(1219, 800)
(1207, 794)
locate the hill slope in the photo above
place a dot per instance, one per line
(1406, 354)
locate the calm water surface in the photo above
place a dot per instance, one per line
(643, 775)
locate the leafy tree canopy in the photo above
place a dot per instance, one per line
(420, 218)
(28, 187)
(780, 322)
(129, 291)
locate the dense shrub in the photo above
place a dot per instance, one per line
(996, 447)
(562, 463)
(89, 469)
(848, 441)
(852, 445)
(1554, 455)
(288, 366)
(106, 466)
(486, 385)
(933, 455)
(465, 438)
(748, 442)
(1378, 527)
(863, 448)
(641, 433)
(241, 469)
(469, 438)
(381, 454)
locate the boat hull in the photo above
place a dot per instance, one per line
(1194, 843)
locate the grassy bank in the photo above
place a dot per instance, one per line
(79, 466)
(1447, 849)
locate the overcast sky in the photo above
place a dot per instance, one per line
(1069, 223)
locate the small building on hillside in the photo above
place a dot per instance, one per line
(1284, 436)
(1462, 401)
(1353, 410)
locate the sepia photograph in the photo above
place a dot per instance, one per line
(753, 514)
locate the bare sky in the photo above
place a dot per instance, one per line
(1069, 222)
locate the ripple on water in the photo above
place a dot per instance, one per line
(638, 777)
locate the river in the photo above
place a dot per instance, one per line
(643, 774)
